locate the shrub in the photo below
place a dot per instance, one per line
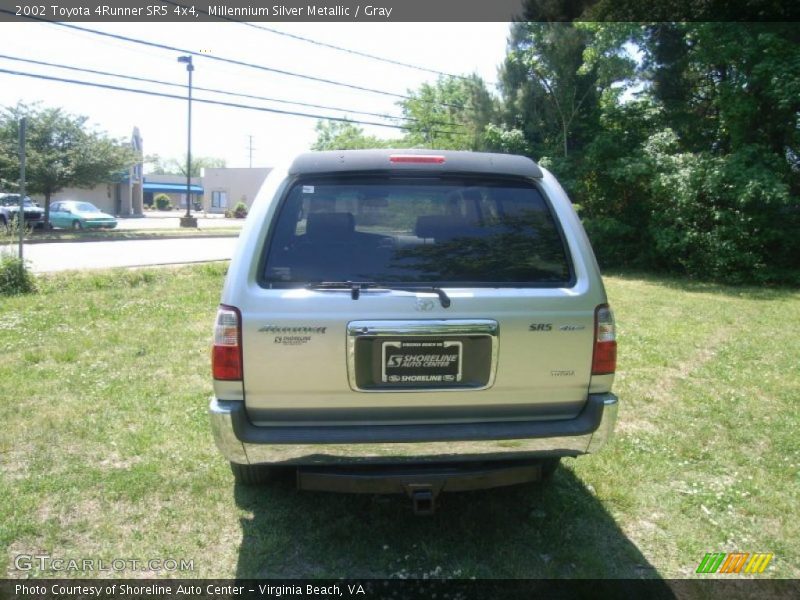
(239, 211)
(162, 202)
(727, 218)
(615, 243)
(15, 278)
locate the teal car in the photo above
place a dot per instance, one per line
(74, 214)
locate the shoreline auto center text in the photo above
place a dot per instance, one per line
(190, 589)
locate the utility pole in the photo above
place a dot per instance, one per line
(23, 124)
(188, 220)
(250, 146)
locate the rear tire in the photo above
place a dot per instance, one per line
(251, 474)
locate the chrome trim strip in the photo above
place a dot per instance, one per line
(424, 328)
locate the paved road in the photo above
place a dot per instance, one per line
(45, 258)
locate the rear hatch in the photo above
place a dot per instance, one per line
(411, 298)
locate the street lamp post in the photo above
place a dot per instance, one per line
(188, 220)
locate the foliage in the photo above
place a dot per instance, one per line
(451, 114)
(237, 212)
(162, 202)
(340, 135)
(507, 141)
(15, 277)
(156, 165)
(681, 141)
(550, 92)
(723, 217)
(61, 151)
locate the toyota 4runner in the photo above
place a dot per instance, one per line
(414, 321)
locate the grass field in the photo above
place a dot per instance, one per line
(106, 453)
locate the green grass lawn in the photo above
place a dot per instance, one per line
(105, 448)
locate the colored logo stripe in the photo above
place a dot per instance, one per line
(758, 563)
(711, 562)
(734, 562)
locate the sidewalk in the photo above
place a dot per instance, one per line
(171, 220)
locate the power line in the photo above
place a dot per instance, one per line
(229, 60)
(327, 45)
(212, 90)
(215, 102)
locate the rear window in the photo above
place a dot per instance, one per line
(438, 232)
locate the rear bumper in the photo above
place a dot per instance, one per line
(242, 442)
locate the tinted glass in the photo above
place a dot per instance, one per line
(432, 232)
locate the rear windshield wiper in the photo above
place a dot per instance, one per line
(355, 288)
(443, 298)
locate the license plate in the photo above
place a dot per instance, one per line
(421, 362)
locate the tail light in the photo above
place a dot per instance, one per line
(226, 356)
(604, 359)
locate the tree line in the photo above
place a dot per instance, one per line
(679, 143)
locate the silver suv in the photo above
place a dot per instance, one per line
(413, 321)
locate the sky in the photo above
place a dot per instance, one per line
(223, 132)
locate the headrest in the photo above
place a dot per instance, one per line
(442, 227)
(330, 225)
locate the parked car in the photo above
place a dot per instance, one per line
(9, 211)
(411, 321)
(74, 214)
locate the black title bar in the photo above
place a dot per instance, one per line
(188, 11)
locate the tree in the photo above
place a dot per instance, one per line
(341, 135)
(156, 165)
(545, 87)
(60, 151)
(451, 114)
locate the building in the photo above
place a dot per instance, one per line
(215, 191)
(225, 187)
(173, 186)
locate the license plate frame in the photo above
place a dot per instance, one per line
(409, 363)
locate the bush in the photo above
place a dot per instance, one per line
(615, 244)
(15, 278)
(727, 218)
(162, 202)
(239, 211)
